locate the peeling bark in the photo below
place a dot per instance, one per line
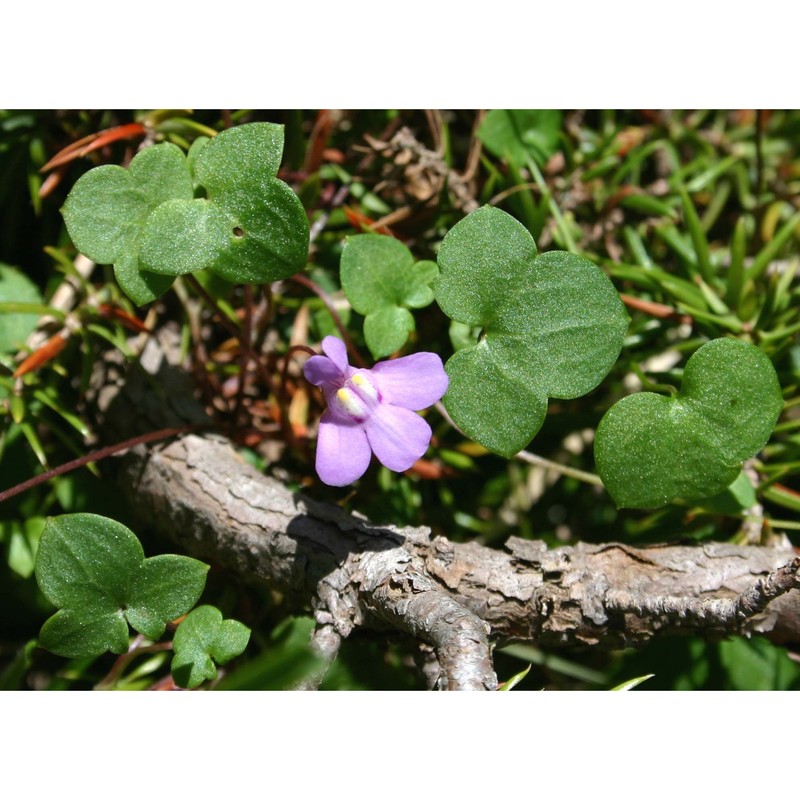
(456, 599)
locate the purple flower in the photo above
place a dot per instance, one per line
(372, 411)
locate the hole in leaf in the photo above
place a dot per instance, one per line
(238, 232)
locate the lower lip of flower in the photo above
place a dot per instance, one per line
(356, 400)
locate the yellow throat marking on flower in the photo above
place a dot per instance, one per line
(365, 387)
(350, 401)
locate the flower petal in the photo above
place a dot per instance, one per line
(397, 436)
(336, 351)
(414, 382)
(343, 452)
(321, 370)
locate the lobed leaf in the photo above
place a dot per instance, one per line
(551, 326)
(251, 228)
(107, 209)
(93, 569)
(520, 134)
(382, 281)
(146, 221)
(651, 449)
(164, 588)
(202, 639)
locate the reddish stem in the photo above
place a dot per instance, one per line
(234, 331)
(244, 356)
(654, 309)
(96, 455)
(337, 320)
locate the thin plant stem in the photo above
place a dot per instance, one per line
(563, 469)
(226, 321)
(519, 187)
(235, 331)
(136, 649)
(554, 209)
(650, 385)
(244, 356)
(337, 320)
(284, 394)
(97, 455)
(532, 458)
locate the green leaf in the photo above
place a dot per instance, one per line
(106, 211)
(251, 228)
(626, 686)
(521, 134)
(287, 660)
(162, 589)
(734, 499)
(758, 665)
(514, 680)
(93, 569)
(86, 560)
(197, 145)
(382, 282)
(651, 449)
(552, 326)
(386, 330)
(185, 236)
(23, 543)
(247, 154)
(202, 639)
(16, 287)
(89, 631)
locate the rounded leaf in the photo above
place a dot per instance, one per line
(82, 634)
(184, 236)
(271, 233)
(382, 281)
(107, 209)
(386, 330)
(104, 213)
(519, 134)
(484, 259)
(164, 588)
(375, 271)
(252, 228)
(86, 560)
(491, 401)
(651, 449)
(551, 326)
(245, 154)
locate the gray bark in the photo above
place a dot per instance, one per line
(457, 599)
